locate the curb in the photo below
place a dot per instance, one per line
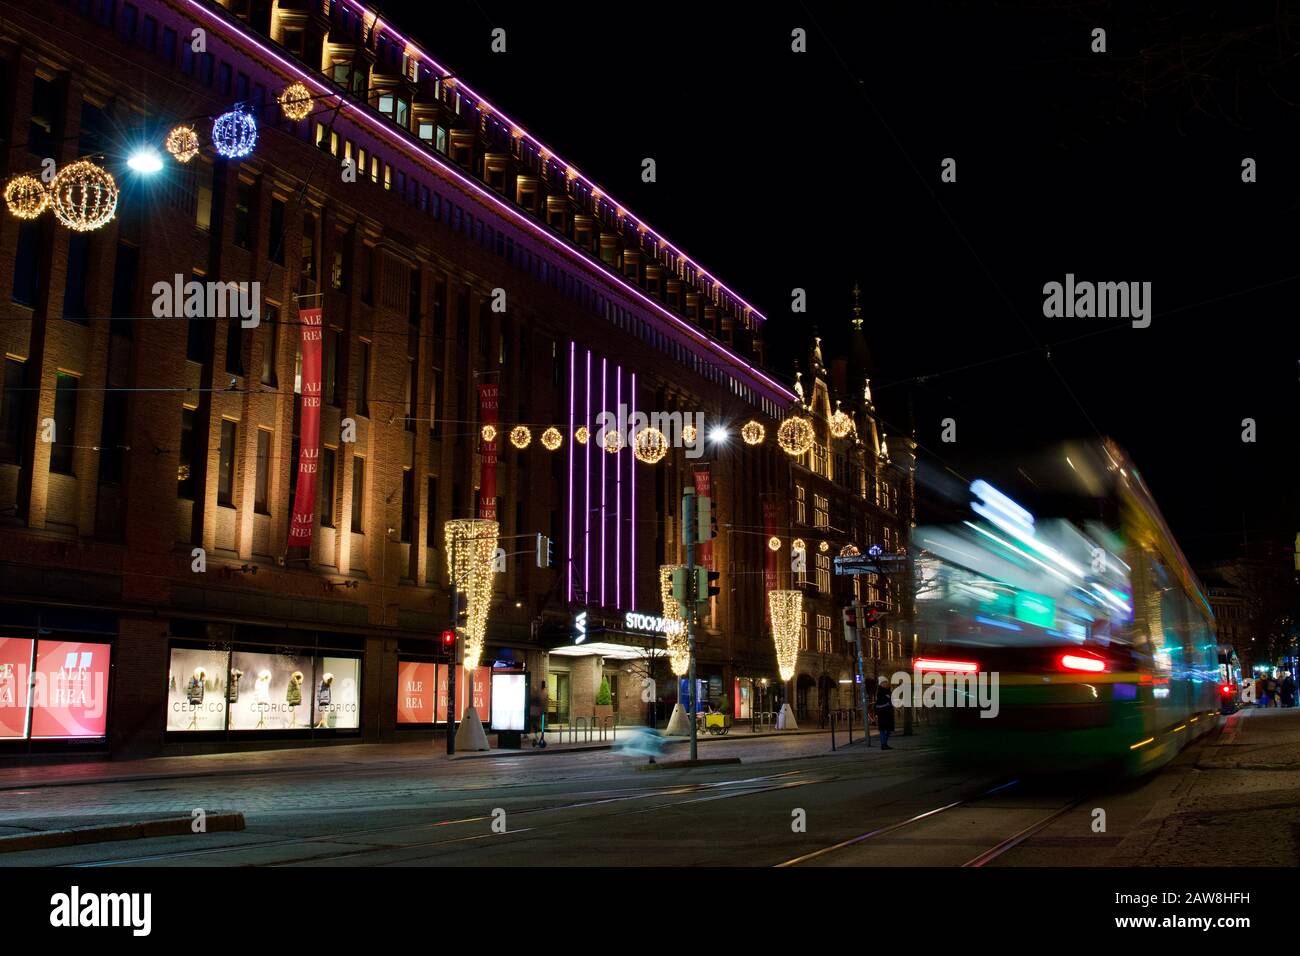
(676, 764)
(176, 826)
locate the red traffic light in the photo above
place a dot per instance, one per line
(448, 638)
(850, 617)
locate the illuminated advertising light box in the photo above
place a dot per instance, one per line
(15, 682)
(70, 689)
(272, 691)
(337, 693)
(1036, 609)
(509, 702)
(198, 690)
(482, 692)
(416, 691)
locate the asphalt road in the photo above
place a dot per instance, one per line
(790, 802)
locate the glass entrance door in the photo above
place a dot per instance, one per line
(557, 698)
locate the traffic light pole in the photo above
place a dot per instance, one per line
(862, 677)
(455, 645)
(690, 533)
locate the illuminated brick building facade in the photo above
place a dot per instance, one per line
(447, 249)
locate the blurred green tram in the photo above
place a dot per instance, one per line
(1094, 624)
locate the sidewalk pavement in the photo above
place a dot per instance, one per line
(315, 758)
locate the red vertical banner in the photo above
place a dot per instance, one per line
(304, 501)
(771, 579)
(704, 486)
(489, 403)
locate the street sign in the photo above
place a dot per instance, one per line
(870, 564)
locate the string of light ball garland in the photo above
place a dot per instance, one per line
(83, 195)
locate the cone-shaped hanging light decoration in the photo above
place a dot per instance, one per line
(471, 547)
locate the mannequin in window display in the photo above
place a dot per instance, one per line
(194, 694)
(324, 693)
(232, 694)
(293, 696)
(262, 695)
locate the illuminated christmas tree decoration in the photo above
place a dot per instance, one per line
(234, 134)
(753, 433)
(183, 143)
(489, 433)
(471, 549)
(679, 652)
(581, 435)
(651, 446)
(786, 609)
(84, 196)
(552, 439)
(26, 197)
(774, 543)
(521, 437)
(295, 101)
(795, 436)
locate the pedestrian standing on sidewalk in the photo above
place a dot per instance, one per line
(884, 712)
(1287, 690)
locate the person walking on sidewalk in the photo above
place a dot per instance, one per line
(884, 712)
(1287, 690)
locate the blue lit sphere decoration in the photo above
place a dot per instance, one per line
(234, 134)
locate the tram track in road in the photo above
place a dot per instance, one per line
(711, 790)
(918, 820)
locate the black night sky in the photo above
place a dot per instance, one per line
(778, 170)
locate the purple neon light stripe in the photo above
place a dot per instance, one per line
(632, 471)
(618, 496)
(482, 193)
(586, 480)
(572, 385)
(542, 147)
(604, 529)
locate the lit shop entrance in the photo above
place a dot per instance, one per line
(557, 698)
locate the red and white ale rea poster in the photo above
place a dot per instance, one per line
(703, 487)
(417, 689)
(481, 695)
(15, 681)
(70, 689)
(304, 501)
(489, 404)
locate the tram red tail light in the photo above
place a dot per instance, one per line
(1081, 662)
(1225, 690)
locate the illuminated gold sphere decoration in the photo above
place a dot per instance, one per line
(613, 441)
(679, 652)
(521, 437)
(84, 196)
(183, 143)
(651, 446)
(753, 433)
(786, 609)
(581, 435)
(795, 436)
(689, 434)
(798, 544)
(489, 433)
(552, 439)
(26, 197)
(823, 547)
(295, 102)
(774, 543)
(471, 548)
(849, 550)
(841, 424)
